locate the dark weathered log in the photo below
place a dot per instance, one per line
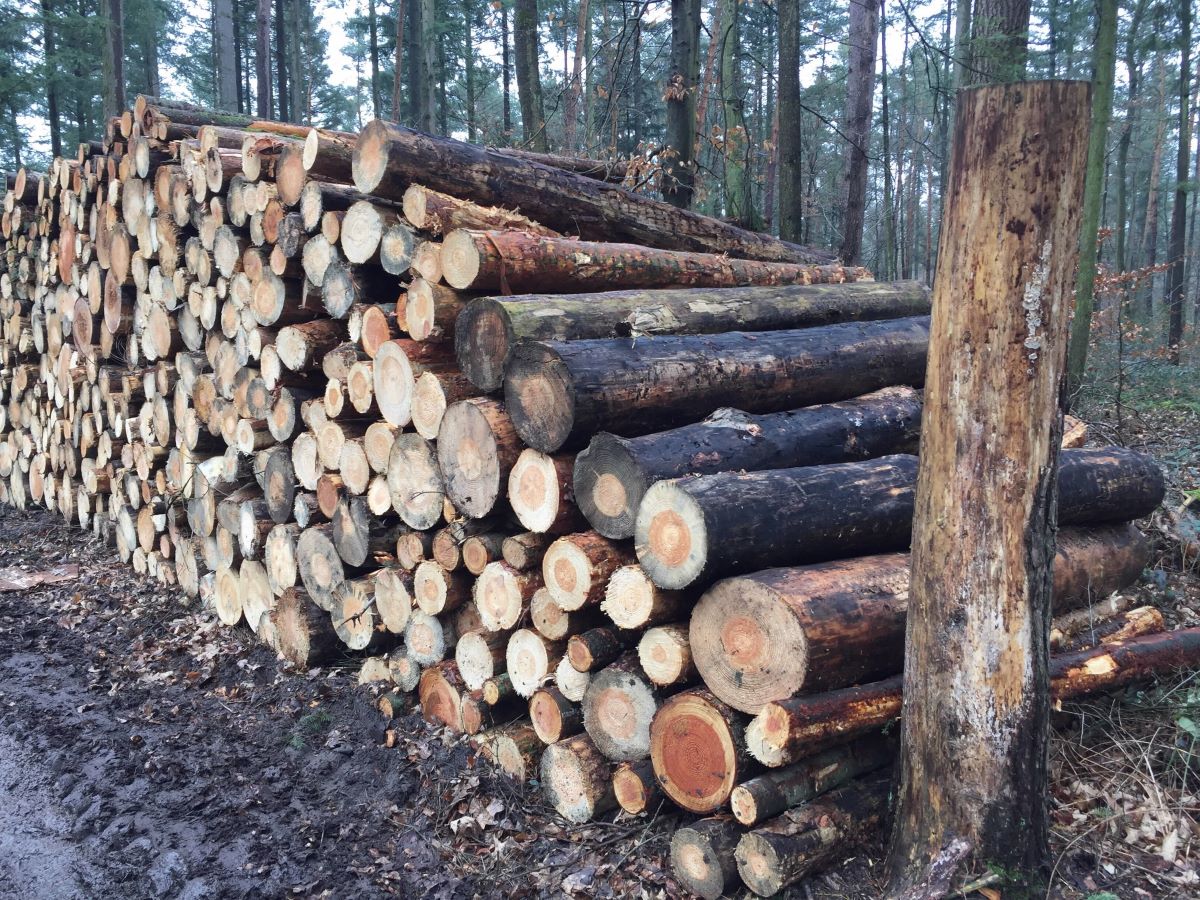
(414, 481)
(488, 328)
(698, 748)
(1088, 627)
(811, 838)
(794, 728)
(702, 856)
(769, 794)
(766, 636)
(595, 648)
(515, 749)
(358, 534)
(613, 474)
(561, 394)
(508, 261)
(388, 158)
(697, 529)
(525, 551)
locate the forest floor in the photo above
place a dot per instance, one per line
(147, 752)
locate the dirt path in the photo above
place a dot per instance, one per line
(147, 752)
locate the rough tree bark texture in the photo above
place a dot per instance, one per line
(860, 89)
(974, 756)
(999, 41)
(791, 211)
(679, 166)
(262, 58)
(226, 58)
(529, 82)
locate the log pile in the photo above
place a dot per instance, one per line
(633, 515)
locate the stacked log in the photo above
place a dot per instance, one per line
(598, 527)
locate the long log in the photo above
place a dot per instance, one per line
(563, 393)
(767, 636)
(388, 158)
(507, 261)
(790, 729)
(698, 529)
(613, 474)
(488, 328)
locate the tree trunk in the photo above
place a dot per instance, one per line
(397, 62)
(1133, 72)
(262, 58)
(973, 769)
(575, 84)
(488, 328)
(506, 65)
(114, 59)
(1175, 279)
(613, 474)
(679, 165)
(529, 79)
(52, 78)
(561, 394)
(739, 205)
(388, 158)
(701, 528)
(226, 57)
(1150, 225)
(373, 47)
(1104, 67)
(999, 41)
(281, 57)
(791, 162)
(848, 616)
(860, 91)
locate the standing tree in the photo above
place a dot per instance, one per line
(281, 57)
(999, 41)
(860, 90)
(225, 54)
(679, 164)
(397, 63)
(373, 30)
(791, 162)
(1093, 192)
(262, 58)
(114, 59)
(529, 80)
(1175, 281)
(571, 119)
(975, 730)
(1133, 72)
(739, 198)
(50, 63)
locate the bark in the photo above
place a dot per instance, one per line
(388, 158)
(529, 81)
(304, 633)
(1175, 279)
(488, 328)
(1133, 70)
(739, 197)
(791, 161)
(281, 68)
(860, 91)
(560, 394)
(114, 59)
(373, 46)
(973, 759)
(398, 61)
(51, 63)
(702, 856)
(679, 166)
(262, 58)
(1104, 68)
(575, 85)
(554, 717)
(766, 636)
(999, 41)
(438, 213)
(703, 527)
(225, 56)
(613, 474)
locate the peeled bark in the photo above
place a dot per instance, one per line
(515, 261)
(488, 328)
(767, 636)
(563, 393)
(613, 474)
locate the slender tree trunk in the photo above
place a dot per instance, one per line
(469, 67)
(114, 59)
(1102, 98)
(262, 58)
(226, 55)
(443, 108)
(860, 91)
(529, 78)
(739, 202)
(242, 100)
(373, 34)
(679, 164)
(296, 75)
(506, 62)
(398, 62)
(1150, 225)
(576, 83)
(51, 63)
(999, 41)
(788, 151)
(1133, 70)
(281, 56)
(1183, 165)
(975, 732)
(887, 264)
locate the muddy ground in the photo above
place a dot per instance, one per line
(145, 751)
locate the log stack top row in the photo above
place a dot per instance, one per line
(621, 490)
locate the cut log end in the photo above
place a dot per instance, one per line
(577, 779)
(670, 536)
(702, 856)
(609, 486)
(695, 750)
